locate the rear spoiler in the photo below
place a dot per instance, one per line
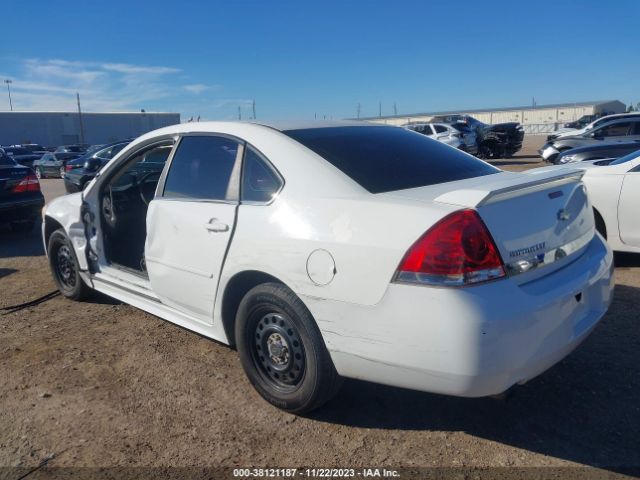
(495, 192)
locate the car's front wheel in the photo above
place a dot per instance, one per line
(39, 173)
(282, 351)
(65, 268)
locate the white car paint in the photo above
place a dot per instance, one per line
(468, 341)
(614, 191)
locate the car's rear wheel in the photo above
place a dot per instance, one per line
(39, 173)
(62, 172)
(65, 267)
(282, 351)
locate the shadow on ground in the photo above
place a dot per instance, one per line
(21, 244)
(585, 409)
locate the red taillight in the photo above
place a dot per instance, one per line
(68, 167)
(458, 250)
(27, 184)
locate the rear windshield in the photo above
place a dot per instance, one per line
(384, 159)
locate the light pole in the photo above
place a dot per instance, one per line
(9, 82)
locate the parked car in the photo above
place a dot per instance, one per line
(598, 151)
(568, 132)
(340, 249)
(54, 164)
(71, 149)
(614, 192)
(21, 155)
(21, 200)
(456, 135)
(34, 148)
(82, 170)
(501, 140)
(623, 130)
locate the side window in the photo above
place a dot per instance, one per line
(440, 128)
(636, 128)
(615, 130)
(140, 172)
(202, 168)
(259, 182)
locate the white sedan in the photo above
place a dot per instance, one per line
(614, 191)
(340, 250)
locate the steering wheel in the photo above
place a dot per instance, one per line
(141, 184)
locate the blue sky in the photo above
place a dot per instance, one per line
(299, 58)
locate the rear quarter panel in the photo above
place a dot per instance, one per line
(367, 239)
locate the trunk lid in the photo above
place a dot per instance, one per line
(539, 221)
(10, 177)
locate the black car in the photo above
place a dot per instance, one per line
(597, 152)
(21, 200)
(81, 171)
(500, 140)
(71, 149)
(34, 148)
(21, 155)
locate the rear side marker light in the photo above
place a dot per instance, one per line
(27, 184)
(456, 251)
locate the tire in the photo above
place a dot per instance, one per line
(62, 172)
(39, 174)
(23, 227)
(65, 268)
(282, 351)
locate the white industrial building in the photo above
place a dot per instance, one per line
(539, 117)
(65, 128)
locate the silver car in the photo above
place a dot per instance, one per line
(623, 130)
(457, 135)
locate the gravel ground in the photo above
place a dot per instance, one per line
(102, 384)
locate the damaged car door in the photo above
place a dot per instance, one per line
(190, 223)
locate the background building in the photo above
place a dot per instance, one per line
(542, 118)
(63, 128)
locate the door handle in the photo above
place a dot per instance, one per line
(216, 226)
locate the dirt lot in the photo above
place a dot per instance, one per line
(103, 384)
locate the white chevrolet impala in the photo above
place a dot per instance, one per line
(340, 250)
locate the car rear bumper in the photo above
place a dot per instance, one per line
(469, 342)
(20, 209)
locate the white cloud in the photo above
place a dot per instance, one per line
(196, 88)
(52, 84)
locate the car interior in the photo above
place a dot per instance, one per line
(124, 201)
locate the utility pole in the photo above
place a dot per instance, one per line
(253, 106)
(9, 82)
(80, 117)
(239, 113)
(379, 109)
(358, 109)
(395, 109)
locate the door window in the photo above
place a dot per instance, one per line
(202, 169)
(260, 183)
(615, 130)
(440, 128)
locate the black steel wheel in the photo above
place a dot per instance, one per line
(277, 350)
(65, 268)
(282, 350)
